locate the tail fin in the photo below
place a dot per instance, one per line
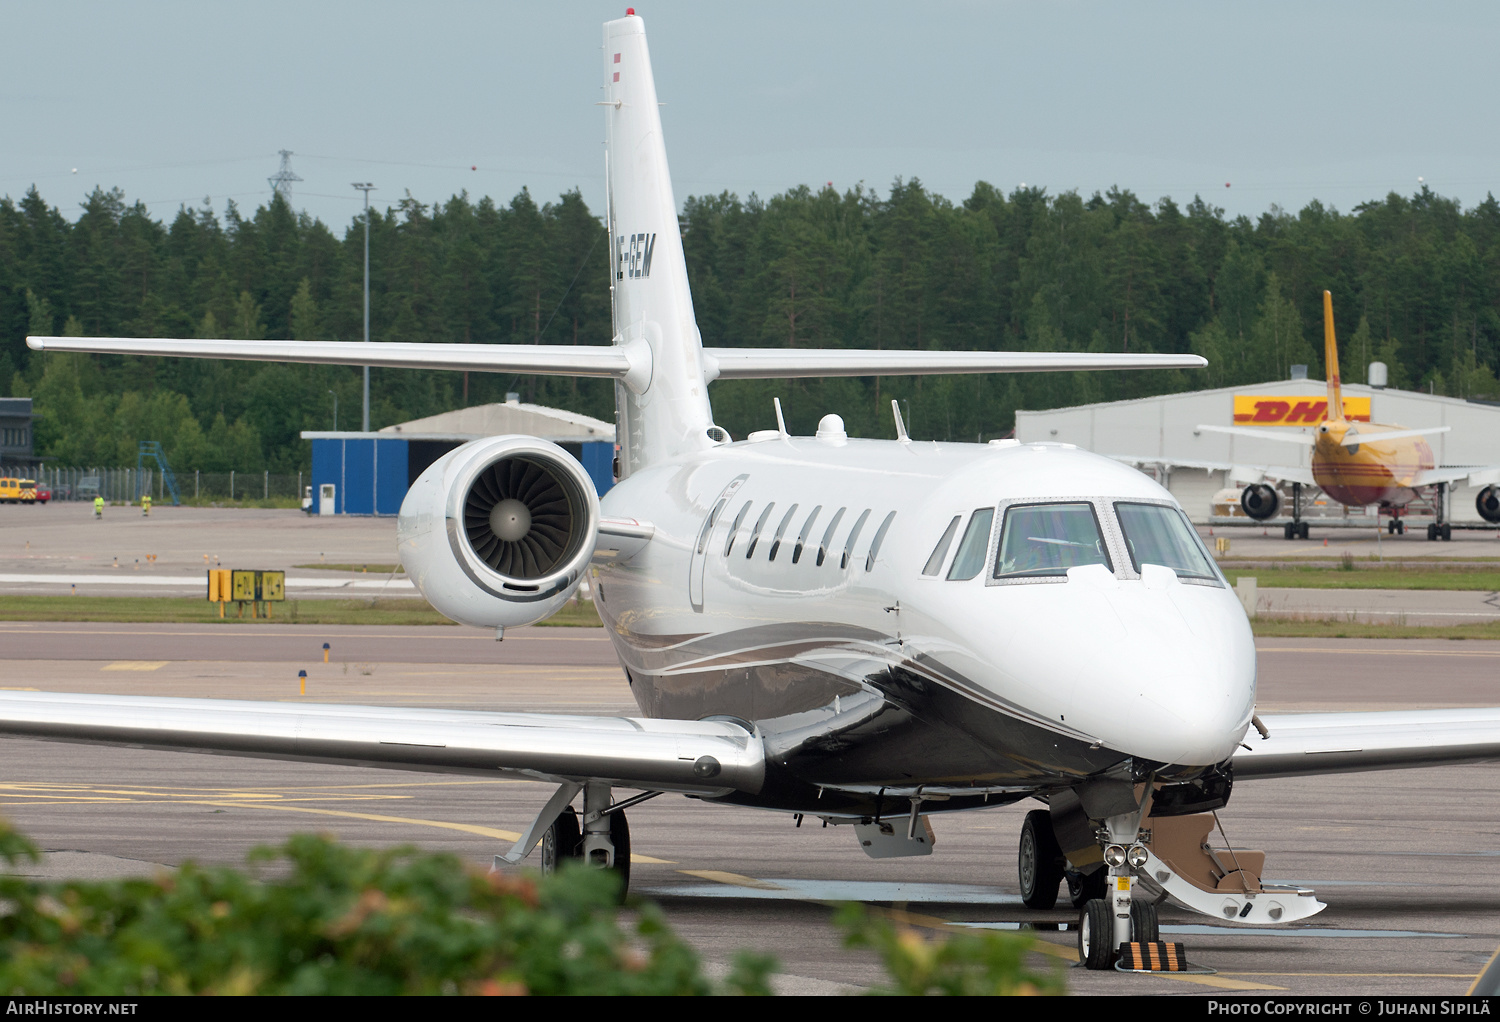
(1331, 361)
(668, 414)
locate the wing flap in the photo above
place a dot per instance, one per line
(1304, 744)
(701, 757)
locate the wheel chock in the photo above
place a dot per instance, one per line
(1156, 956)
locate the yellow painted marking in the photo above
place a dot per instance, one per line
(18, 688)
(1365, 975)
(135, 665)
(733, 879)
(253, 800)
(1213, 981)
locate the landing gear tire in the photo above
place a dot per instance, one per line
(1143, 925)
(1432, 532)
(1447, 532)
(563, 842)
(1039, 861)
(1302, 528)
(1084, 887)
(1289, 530)
(1096, 935)
(619, 836)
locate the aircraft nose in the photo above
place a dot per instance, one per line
(1163, 672)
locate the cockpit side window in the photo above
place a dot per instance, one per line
(1038, 540)
(939, 552)
(1156, 534)
(972, 548)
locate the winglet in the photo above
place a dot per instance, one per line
(1331, 361)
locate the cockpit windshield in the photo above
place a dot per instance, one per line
(1047, 539)
(1155, 534)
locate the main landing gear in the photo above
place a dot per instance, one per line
(1296, 528)
(600, 838)
(1441, 529)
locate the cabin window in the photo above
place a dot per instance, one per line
(760, 523)
(1156, 534)
(708, 526)
(879, 539)
(1039, 540)
(939, 552)
(802, 536)
(973, 547)
(734, 530)
(781, 531)
(828, 535)
(859, 523)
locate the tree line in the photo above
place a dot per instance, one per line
(1414, 279)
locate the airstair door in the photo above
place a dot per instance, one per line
(703, 547)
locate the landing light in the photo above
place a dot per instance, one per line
(1114, 855)
(1137, 856)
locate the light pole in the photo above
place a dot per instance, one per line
(365, 187)
(335, 412)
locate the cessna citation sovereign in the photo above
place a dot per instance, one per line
(868, 632)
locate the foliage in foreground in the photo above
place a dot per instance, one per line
(981, 963)
(317, 917)
(331, 919)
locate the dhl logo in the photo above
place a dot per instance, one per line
(1262, 410)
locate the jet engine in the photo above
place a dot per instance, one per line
(499, 532)
(1488, 503)
(1260, 501)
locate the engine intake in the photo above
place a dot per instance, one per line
(1488, 504)
(1260, 501)
(499, 532)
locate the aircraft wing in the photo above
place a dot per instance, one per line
(1475, 475)
(1302, 744)
(699, 757)
(616, 361)
(1239, 472)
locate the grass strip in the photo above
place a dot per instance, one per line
(373, 569)
(179, 610)
(1330, 628)
(1336, 578)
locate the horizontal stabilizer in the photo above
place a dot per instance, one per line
(704, 757)
(1303, 744)
(1353, 439)
(1305, 439)
(788, 363)
(617, 361)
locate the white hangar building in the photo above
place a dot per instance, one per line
(1159, 435)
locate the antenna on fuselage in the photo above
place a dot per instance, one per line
(900, 423)
(780, 422)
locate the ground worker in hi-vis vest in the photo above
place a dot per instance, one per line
(98, 507)
(146, 506)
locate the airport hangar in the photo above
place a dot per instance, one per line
(355, 473)
(1164, 429)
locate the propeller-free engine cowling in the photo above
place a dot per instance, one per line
(1260, 501)
(1488, 504)
(499, 532)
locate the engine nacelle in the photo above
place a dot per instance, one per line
(1488, 504)
(1260, 501)
(498, 533)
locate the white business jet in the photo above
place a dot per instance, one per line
(869, 632)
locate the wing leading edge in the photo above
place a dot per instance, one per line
(1304, 744)
(699, 757)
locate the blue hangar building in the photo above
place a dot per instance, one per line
(369, 473)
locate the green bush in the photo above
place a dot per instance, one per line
(330, 919)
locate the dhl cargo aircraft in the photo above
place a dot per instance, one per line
(1354, 461)
(869, 632)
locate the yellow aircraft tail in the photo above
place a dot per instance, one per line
(1331, 361)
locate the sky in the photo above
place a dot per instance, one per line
(1247, 105)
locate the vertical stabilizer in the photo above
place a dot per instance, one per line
(1331, 361)
(663, 409)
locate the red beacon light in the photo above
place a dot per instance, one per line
(629, 12)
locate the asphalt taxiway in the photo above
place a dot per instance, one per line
(1402, 858)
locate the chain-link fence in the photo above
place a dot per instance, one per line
(128, 484)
